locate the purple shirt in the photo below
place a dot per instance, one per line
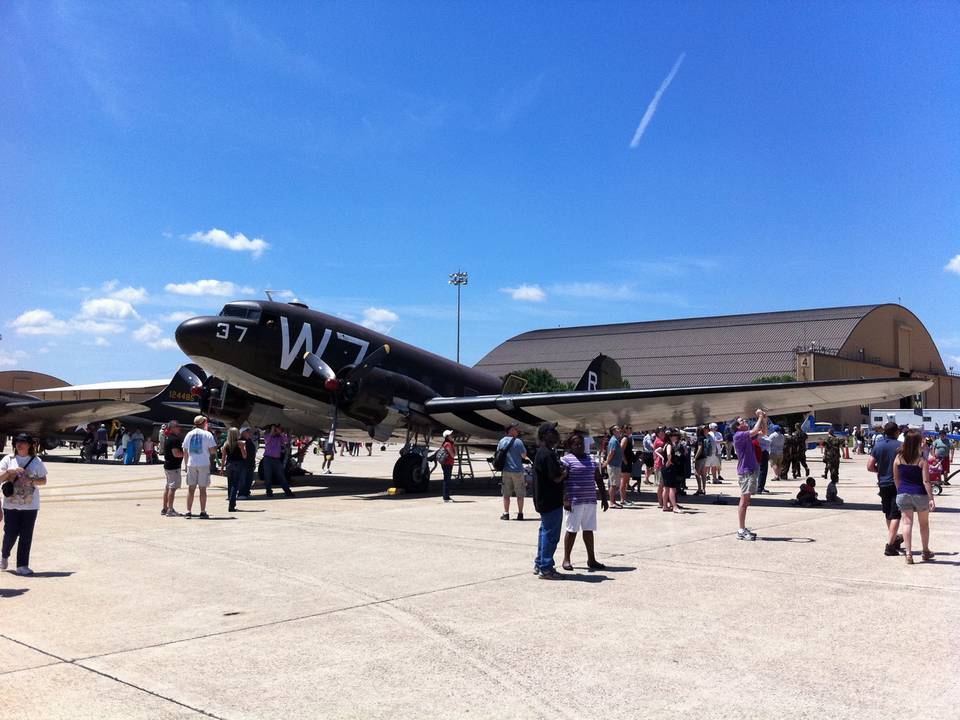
(273, 446)
(911, 480)
(743, 444)
(580, 486)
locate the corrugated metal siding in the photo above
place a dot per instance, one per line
(692, 351)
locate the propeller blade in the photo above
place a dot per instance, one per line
(319, 366)
(370, 362)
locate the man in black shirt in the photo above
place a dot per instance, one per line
(172, 460)
(548, 500)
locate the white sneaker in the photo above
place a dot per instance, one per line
(3, 563)
(24, 570)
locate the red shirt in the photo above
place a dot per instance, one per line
(451, 451)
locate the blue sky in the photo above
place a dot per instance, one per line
(802, 155)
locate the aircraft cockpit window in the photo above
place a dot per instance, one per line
(241, 311)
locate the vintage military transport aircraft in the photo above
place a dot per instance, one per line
(283, 362)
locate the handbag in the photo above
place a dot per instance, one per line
(7, 487)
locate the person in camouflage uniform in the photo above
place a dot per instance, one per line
(831, 456)
(789, 451)
(800, 451)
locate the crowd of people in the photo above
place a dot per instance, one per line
(567, 483)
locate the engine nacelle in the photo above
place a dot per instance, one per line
(369, 399)
(224, 402)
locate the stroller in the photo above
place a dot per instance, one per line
(935, 468)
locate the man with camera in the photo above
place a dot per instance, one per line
(747, 467)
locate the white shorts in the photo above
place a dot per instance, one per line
(198, 475)
(581, 517)
(613, 477)
(173, 478)
(712, 462)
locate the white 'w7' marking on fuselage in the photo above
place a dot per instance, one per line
(305, 340)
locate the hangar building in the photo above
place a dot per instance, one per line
(823, 344)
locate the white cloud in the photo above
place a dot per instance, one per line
(101, 342)
(43, 322)
(237, 243)
(595, 290)
(529, 293)
(147, 333)
(108, 308)
(652, 107)
(95, 327)
(131, 295)
(153, 336)
(39, 322)
(954, 265)
(11, 359)
(109, 286)
(220, 288)
(178, 316)
(163, 344)
(379, 319)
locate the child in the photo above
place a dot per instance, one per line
(808, 494)
(832, 496)
(935, 469)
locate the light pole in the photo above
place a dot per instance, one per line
(459, 278)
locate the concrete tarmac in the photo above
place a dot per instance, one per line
(345, 602)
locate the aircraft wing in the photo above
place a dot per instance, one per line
(593, 411)
(50, 415)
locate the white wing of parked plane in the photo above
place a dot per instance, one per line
(486, 416)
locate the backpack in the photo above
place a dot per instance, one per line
(500, 458)
(442, 454)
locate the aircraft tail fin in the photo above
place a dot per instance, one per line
(178, 391)
(603, 373)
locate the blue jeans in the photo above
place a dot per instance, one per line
(234, 480)
(762, 472)
(246, 480)
(550, 523)
(447, 472)
(273, 473)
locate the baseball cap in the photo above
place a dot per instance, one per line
(713, 426)
(447, 433)
(22, 437)
(245, 428)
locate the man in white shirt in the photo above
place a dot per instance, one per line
(713, 462)
(198, 445)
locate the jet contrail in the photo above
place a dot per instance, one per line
(652, 107)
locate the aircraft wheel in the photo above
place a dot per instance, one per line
(408, 473)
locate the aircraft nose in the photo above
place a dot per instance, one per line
(194, 336)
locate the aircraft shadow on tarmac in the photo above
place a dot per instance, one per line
(375, 488)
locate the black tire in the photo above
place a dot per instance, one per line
(408, 474)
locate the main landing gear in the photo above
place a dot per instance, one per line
(412, 469)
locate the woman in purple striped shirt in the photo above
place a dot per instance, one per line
(581, 484)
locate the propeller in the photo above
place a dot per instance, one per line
(349, 384)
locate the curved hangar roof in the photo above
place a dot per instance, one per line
(714, 350)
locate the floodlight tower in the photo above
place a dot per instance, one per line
(459, 278)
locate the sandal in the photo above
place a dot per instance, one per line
(927, 555)
(567, 566)
(909, 558)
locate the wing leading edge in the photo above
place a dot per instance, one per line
(51, 415)
(486, 416)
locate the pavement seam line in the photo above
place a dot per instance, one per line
(77, 663)
(309, 616)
